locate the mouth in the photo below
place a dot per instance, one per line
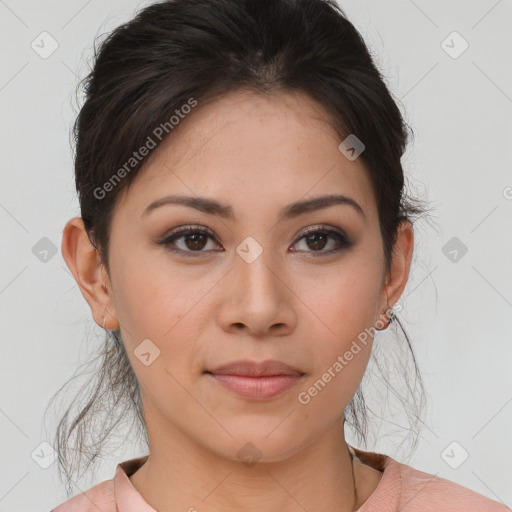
(256, 381)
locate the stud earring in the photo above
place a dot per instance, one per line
(390, 315)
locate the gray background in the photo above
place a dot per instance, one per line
(457, 313)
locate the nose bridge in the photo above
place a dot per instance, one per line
(259, 298)
(254, 268)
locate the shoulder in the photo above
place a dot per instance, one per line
(406, 489)
(422, 491)
(100, 497)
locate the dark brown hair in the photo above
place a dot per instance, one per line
(145, 71)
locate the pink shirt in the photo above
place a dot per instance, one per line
(401, 488)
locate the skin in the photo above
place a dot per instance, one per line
(257, 154)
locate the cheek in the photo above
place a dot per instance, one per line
(166, 307)
(342, 314)
(340, 366)
(341, 302)
(150, 297)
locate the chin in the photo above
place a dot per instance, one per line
(254, 444)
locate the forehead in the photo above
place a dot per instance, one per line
(246, 145)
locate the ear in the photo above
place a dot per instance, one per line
(398, 275)
(84, 262)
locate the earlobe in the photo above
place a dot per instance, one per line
(84, 262)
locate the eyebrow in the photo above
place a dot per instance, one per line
(212, 207)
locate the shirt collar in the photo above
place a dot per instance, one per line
(128, 499)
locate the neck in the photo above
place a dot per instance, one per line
(181, 474)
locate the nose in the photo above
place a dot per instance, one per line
(257, 300)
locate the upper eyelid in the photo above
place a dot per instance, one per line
(198, 227)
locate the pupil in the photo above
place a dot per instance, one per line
(194, 241)
(322, 245)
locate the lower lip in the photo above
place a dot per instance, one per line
(257, 388)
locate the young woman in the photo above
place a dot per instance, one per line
(244, 233)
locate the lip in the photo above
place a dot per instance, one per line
(256, 380)
(247, 368)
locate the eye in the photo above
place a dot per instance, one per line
(195, 238)
(317, 239)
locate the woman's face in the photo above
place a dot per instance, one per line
(254, 287)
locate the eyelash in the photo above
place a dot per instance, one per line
(343, 241)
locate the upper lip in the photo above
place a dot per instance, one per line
(256, 369)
